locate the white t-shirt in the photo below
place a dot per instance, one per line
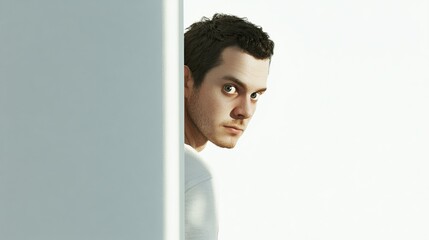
(200, 208)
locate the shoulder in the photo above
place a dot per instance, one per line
(196, 171)
(200, 207)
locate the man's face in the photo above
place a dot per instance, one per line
(220, 109)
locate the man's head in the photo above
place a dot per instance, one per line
(226, 68)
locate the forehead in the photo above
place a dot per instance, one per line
(242, 66)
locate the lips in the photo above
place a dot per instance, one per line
(234, 129)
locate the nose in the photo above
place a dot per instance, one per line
(244, 108)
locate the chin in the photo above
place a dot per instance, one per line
(225, 144)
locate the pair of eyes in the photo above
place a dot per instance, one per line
(231, 89)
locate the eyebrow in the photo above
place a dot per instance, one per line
(240, 83)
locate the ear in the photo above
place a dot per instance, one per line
(189, 81)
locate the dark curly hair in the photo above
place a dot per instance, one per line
(205, 40)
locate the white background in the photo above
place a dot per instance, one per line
(338, 148)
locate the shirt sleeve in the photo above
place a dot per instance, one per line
(200, 212)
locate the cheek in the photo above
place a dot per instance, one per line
(218, 106)
(214, 106)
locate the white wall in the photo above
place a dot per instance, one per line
(83, 132)
(338, 148)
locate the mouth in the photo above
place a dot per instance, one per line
(234, 129)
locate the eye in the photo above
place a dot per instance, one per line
(230, 89)
(255, 96)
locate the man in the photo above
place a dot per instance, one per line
(227, 60)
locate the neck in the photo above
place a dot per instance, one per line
(194, 144)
